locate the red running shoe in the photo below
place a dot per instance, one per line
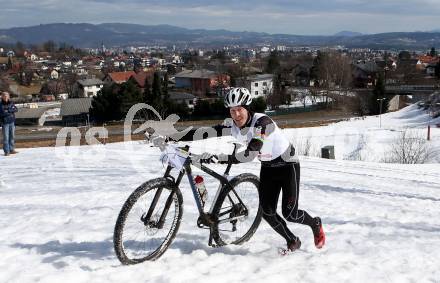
(319, 234)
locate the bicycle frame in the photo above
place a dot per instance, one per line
(206, 219)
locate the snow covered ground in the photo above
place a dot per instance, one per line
(370, 138)
(59, 208)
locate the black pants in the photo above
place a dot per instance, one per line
(272, 181)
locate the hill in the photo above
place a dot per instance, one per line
(120, 34)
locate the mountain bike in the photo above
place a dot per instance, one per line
(150, 218)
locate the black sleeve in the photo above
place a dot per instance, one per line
(263, 127)
(219, 129)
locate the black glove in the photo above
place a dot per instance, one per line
(208, 158)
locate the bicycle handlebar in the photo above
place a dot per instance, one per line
(162, 143)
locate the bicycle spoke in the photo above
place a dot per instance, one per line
(141, 238)
(238, 213)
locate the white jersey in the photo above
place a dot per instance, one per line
(275, 143)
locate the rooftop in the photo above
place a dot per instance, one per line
(121, 77)
(75, 106)
(261, 77)
(141, 76)
(180, 95)
(90, 82)
(30, 113)
(195, 74)
(369, 67)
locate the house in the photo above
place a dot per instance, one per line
(182, 97)
(265, 49)
(87, 87)
(118, 77)
(426, 60)
(281, 48)
(364, 73)
(201, 82)
(258, 85)
(4, 63)
(55, 88)
(80, 71)
(407, 63)
(176, 59)
(33, 57)
(161, 61)
(47, 97)
(301, 74)
(141, 77)
(172, 68)
(54, 75)
(430, 69)
(75, 111)
(31, 116)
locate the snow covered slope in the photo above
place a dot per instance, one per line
(57, 218)
(370, 138)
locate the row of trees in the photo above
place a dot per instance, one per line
(333, 78)
(57, 50)
(113, 102)
(328, 71)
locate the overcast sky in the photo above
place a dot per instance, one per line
(311, 17)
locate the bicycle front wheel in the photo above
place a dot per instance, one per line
(148, 221)
(238, 211)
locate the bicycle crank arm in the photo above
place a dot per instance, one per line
(205, 220)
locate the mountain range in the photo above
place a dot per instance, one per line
(121, 34)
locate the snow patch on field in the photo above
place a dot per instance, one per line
(58, 218)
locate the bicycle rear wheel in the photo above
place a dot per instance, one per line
(139, 234)
(238, 211)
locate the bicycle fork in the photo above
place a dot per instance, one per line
(146, 218)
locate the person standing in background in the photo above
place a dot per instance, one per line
(7, 120)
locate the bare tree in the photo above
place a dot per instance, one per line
(4, 84)
(276, 97)
(358, 154)
(333, 72)
(410, 147)
(238, 74)
(303, 145)
(69, 81)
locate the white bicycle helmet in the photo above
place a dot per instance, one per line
(238, 96)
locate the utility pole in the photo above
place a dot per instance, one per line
(380, 111)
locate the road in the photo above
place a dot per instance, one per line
(49, 133)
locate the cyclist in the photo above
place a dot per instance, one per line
(280, 167)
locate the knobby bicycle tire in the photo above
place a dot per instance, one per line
(231, 191)
(151, 186)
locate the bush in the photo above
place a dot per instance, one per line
(202, 108)
(107, 104)
(410, 147)
(113, 102)
(206, 109)
(258, 104)
(180, 109)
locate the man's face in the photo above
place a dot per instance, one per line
(239, 115)
(5, 96)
